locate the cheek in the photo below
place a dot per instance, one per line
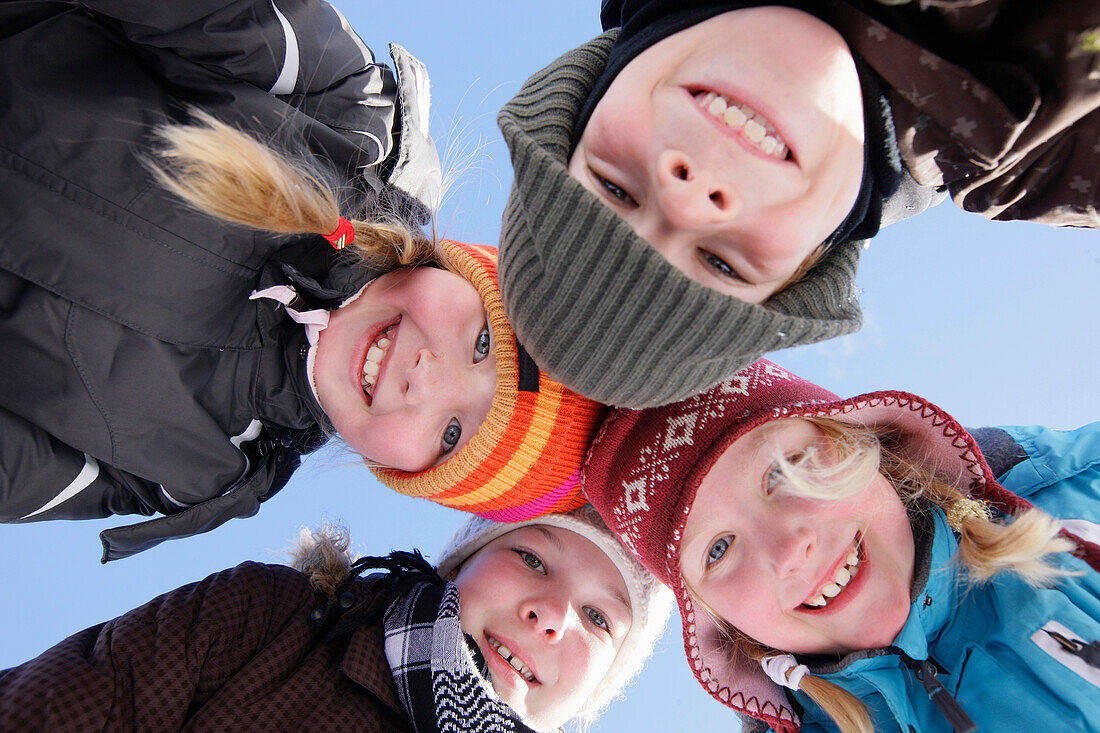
(584, 668)
(385, 439)
(745, 607)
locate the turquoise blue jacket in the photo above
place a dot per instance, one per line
(990, 642)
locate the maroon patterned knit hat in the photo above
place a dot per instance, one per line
(645, 466)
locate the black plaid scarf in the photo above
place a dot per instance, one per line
(441, 677)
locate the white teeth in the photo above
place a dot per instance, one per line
(754, 131)
(373, 363)
(841, 578)
(756, 128)
(735, 118)
(513, 661)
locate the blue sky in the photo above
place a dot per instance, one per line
(994, 322)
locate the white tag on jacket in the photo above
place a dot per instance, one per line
(1044, 641)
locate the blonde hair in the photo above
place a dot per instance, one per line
(987, 546)
(230, 175)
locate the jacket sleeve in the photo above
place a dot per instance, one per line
(281, 46)
(146, 670)
(306, 53)
(302, 51)
(1062, 472)
(42, 478)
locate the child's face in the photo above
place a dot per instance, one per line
(765, 559)
(557, 605)
(420, 339)
(735, 205)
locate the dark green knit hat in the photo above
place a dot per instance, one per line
(595, 305)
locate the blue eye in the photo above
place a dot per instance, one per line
(451, 435)
(718, 549)
(598, 619)
(532, 560)
(483, 344)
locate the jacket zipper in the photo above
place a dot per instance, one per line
(925, 671)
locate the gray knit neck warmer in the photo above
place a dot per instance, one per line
(595, 305)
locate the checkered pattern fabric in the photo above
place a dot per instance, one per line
(435, 674)
(238, 651)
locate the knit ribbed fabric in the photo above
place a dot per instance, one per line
(524, 461)
(596, 306)
(650, 602)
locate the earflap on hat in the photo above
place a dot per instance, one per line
(524, 460)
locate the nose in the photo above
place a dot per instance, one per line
(427, 378)
(790, 548)
(690, 193)
(421, 376)
(546, 616)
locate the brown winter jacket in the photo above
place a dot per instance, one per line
(235, 652)
(999, 100)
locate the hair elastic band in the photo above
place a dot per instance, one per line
(777, 667)
(343, 236)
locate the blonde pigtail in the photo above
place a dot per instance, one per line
(846, 710)
(987, 546)
(1024, 547)
(232, 176)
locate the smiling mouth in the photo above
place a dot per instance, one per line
(372, 364)
(513, 661)
(753, 126)
(831, 589)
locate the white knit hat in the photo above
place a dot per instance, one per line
(650, 602)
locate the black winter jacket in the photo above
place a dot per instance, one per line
(136, 376)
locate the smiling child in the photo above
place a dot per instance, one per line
(200, 309)
(545, 622)
(720, 162)
(856, 564)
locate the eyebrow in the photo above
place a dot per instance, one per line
(551, 537)
(618, 596)
(615, 593)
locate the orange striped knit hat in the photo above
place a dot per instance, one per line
(525, 459)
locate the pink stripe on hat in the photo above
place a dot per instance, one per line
(540, 506)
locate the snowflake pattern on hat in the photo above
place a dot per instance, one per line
(685, 421)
